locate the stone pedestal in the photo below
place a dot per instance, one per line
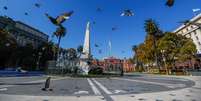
(84, 66)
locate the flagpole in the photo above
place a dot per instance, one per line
(110, 48)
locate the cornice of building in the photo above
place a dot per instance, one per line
(7, 19)
(10, 20)
(195, 18)
(19, 22)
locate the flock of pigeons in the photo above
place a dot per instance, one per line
(26, 13)
(127, 12)
(57, 21)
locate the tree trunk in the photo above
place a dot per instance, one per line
(58, 46)
(59, 40)
(155, 52)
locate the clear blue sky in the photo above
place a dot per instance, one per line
(130, 29)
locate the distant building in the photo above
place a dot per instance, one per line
(114, 64)
(190, 65)
(192, 31)
(128, 66)
(23, 33)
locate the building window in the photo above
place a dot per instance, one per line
(190, 35)
(195, 33)
(2, 25)
(199, 43)
(197, 38)
(187, 29)
(182, 32)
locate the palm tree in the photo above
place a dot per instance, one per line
(134, 49)
(79, 50)
(152, 29)
(60, 32)
(71, 54)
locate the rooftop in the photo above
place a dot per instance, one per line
(30, 27)
(195, 18)
(22, 23)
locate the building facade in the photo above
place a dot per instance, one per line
(112, 64)
(192, 31)
(128, 66)
(115, 64)
(23, 33)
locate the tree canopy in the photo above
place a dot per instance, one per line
(168, 47)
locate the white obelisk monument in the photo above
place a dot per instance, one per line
(85, 57)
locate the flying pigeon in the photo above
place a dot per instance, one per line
(99, 9)
(185, 22)
(94, 22)
(26, 13)
(169, 3)
(96, 45)
(5, 7)
(114, 28)
(37, 5)
(60, 19)
(100, 51)
(127, 12)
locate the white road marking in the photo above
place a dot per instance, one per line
(95, 90)
(3, 89)
(162, 78)
(102, 87)
(5, 86)
(119, 91)
(155, 83)
(175, 85)
(82, 92)
(168, 78)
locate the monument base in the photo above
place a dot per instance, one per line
(84, 66)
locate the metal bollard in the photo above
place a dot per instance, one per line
(47, 84)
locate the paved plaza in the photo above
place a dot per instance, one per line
(127, 88)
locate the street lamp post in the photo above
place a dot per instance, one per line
(38, 62)
(7, 46)
(39, 58)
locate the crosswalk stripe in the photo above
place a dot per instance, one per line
(95, 90)
(102, 87)
(156, 83)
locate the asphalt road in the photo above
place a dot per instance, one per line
(66, 86)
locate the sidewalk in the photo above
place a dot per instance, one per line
(50, 98)
(187, 94)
